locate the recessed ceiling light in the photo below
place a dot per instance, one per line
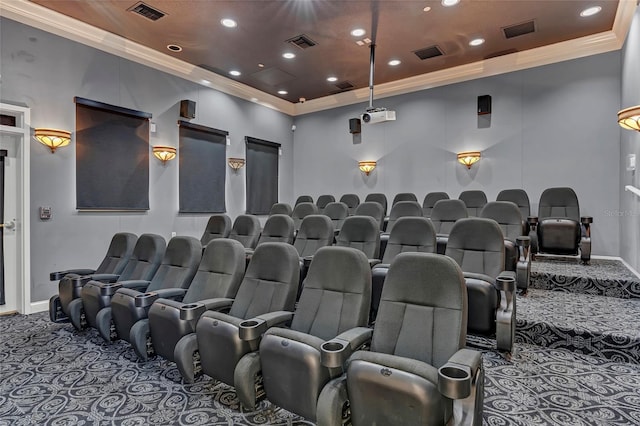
(426, 8)
(205, 82)
(229, 23)
(235, 73)
(288, 55)
(174, 48)
(332, 79)
(590, 11)
(261, 65)
(358, 32)
(448, 3)
(476, 42)
(394, 62)
(282, 92)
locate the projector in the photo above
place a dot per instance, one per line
(378, 115)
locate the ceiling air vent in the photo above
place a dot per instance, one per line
(519, 29)
(428, 52)
(344, 85)
(146, 11)
(301, 41)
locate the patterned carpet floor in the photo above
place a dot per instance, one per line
(52, 375)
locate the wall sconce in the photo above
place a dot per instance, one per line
(629, 118)
(164, 153)
(367, 167)
(236, 163)
(52, 138)
(469, 158)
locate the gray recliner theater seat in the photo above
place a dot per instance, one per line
(246, 230)
(219, 275)
(130, 303)
(518, 197)
(378, 197)
(304, 199)
(559, 228)
(417, 371)
(409, 234)
(323, 200)
(218, 226)
(352, 201)
(398, 210)
(337, 212)
(362, 233)
(280, 208)
(444, 215)
(300, 211)
(430, 200)
(477, 245)
(373, 209)
(71, 281)
(316, 231)
(474, 200)
(277, 229)
(333, 310)
(404, 196)
(96, 295)
(269, 287)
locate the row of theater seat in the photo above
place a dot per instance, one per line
(206, 312)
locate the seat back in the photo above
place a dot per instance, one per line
(336, 293)
(270, 282)
(403, 209)
(280, 208)
(323, 200)
(246, 230)
(179, 265)
(423, 309)
(277, 229)
(410, 234)
(337, 212)
(362, 233)
(519, 197)
(477, 245)
(219, 273)
(404, 196)
(559, 203)
(373, 209)
(218, 226)
(118, 254)
(304, 199)
(146, 258)
(316, 231)
(430, 200)
(300, 211)
(380, 198)
(508, 216)
(474, 200)
(352, 201)
(445, 213)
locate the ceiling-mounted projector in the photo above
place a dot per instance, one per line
(378, 115)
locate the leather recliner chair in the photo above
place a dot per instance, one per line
(474, 200)
(281, 208)
(352, 201)
(337, 212)
(300, 211)
(277, 229)
(304, 199)
(444, 215)
(519, 197)
(430, 200)
(218, 226)
(323, 200)
(379, 198)
(398, 210)
(246, 229)
(404, 196)
(373, 209)
(362, 233)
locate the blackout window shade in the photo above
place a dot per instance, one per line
(202, 157)
(262, 175)
(112, 157)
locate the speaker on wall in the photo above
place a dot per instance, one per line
(484, 104)
(354, 125)
(187, 109)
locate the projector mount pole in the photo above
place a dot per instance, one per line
(372, 59)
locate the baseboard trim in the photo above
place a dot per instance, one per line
(36, 307)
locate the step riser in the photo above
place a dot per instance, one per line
(623, 289)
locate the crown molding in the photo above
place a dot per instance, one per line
(53, 22)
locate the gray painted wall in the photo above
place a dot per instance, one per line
(45, 72)
(630, 144)
(550, 126)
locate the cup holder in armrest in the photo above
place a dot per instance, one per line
(533, 220)
(307, 261)
(192, 311)
(109, 289)
(523, 241)
(145, 300)
(505, 283)
(334, 353)
(454, 381)
(585, 220)
(252, 329)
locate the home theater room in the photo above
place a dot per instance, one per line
(319, 212)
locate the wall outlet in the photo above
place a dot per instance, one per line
(173, 234)
(631, 162)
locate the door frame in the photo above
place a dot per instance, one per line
(23, 223)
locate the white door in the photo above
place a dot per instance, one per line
(12, 280)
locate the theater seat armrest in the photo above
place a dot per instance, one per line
(253, 328)
(136, 284)
(586, 220)
(481, 277)
(171, 293)
(335, 352)
(217, 304)
(107, 289)
(373, 262)
(103, 278)
(192, 311)
(145, 300)
(456, 376)
(55, 276)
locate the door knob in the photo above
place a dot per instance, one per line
(8, 225)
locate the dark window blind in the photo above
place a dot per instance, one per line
(262, 175)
